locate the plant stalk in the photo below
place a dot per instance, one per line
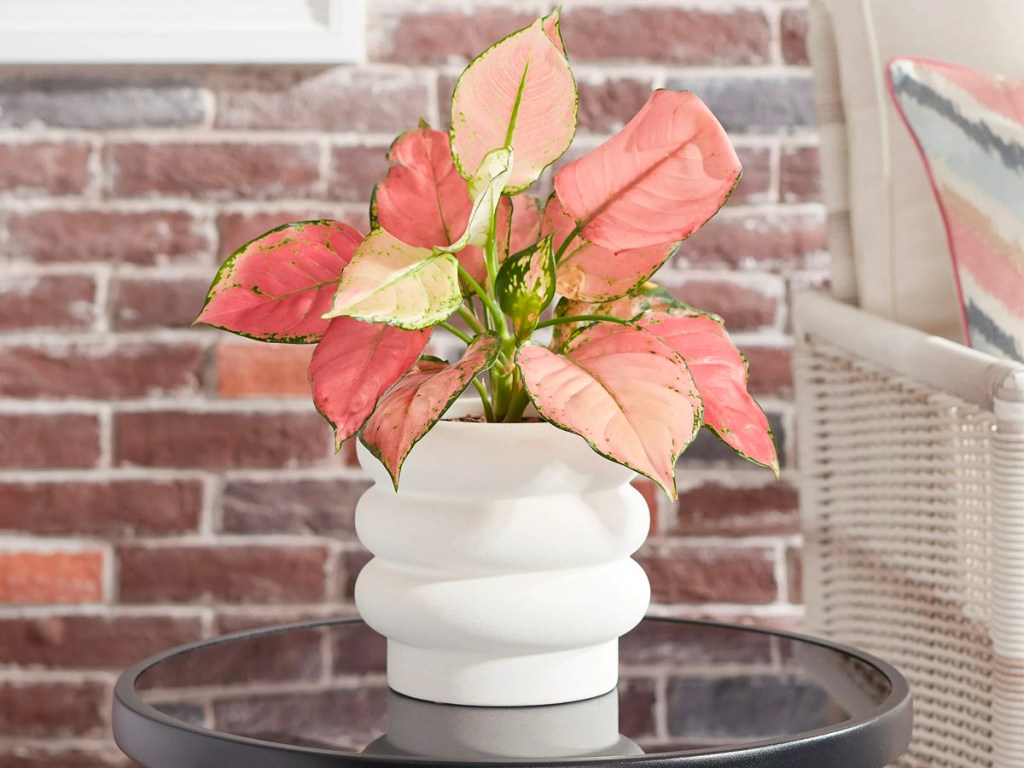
(580, 319)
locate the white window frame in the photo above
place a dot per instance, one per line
(182, 31)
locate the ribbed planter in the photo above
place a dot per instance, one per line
(502, 573)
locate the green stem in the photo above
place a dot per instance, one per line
(518, 405)
(490, 303)
(457, 333)
(471, 319)
(580, 319)
(488, 409)
(565, 243)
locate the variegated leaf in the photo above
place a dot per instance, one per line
(419, 400)
(526, 285)
(354, 364)
(518, 94)
(485, 188)
(276, 287)
(624, 391)
(518, 224)
(721, 375)
(589, 272)
(391, 282)
(423, 200)
(656, 181)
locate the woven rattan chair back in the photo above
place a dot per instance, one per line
(912, 498)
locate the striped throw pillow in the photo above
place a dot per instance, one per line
(969, 127)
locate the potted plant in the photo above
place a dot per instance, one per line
(502, 573)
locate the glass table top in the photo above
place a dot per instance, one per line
(685, 689)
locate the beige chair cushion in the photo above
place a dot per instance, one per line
(903, 268)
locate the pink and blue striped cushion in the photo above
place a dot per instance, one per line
(969, 127)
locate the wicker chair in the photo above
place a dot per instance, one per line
(912, 497)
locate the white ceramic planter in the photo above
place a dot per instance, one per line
(502, 573)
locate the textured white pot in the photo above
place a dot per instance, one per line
(502, 573)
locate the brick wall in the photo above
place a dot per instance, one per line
(159, 483)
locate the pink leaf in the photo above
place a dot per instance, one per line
(553, 29)
(277, 287)
(518, 94)
(419, 400)
(656, 181)
(721, 375)
(518, 225)
(647, 297)
(354, 364)
(622, 390)
(588, 272)
(424, 201)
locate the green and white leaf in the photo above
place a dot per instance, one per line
(525, 284)
(485, 190)
(391, 282)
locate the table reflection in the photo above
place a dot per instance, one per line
(582, 729)
(683, 686)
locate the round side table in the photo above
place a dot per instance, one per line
(691, 695)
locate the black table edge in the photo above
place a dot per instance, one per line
(876, 739)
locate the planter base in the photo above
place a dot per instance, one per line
(474, 679)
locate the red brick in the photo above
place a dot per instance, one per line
(713, 509)
(174, 438)
(51, 577)
(53, 709)
(348, 452)
(100, 371)
(355, 171)
(652, 494)
(771, 371)
(54, 169)
(220, 440)
(662, 35)
(255, 369)
(144, 303)
(667, 35)
(686, 574)
(38, 302)
(606, 106)
(352, 562)
(756, 182)
(743, 308)
(314, 714)
(109, 237)
(357, 652)
(318, 507)
(795, 571)
(794, 36)
(800, 175)
(758, 241)
(91, 642)
(288, 657)
(668, 645)
(329, 99)
(214, 170)
(236, 229)
(45, 441)
(221, 574)
(444, 37)
(637, 706)
(111, 508)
